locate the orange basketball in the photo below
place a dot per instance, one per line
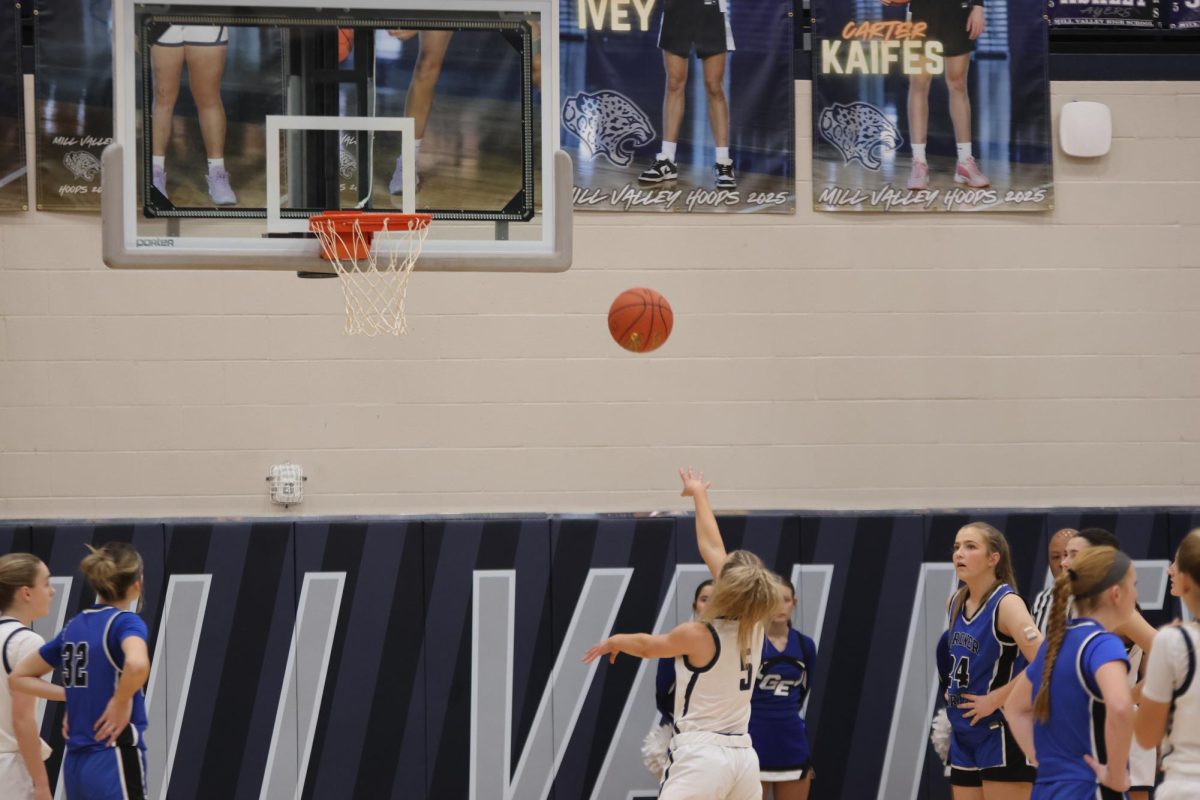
(640, 320)
(345, 43)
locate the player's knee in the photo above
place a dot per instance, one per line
(714, 88)
(956, 83)
(676, 84)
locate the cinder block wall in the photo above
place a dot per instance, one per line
(832, 361)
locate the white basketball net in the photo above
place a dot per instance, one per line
(374, 292)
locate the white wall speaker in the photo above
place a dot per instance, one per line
(1085, 129)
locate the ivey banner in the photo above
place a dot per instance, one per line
(1104, 13)
(680, 105)
(74, 101)
(13, 187)
(933, 105)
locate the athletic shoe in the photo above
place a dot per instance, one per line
(663, 169)
(919, 177)
(968, 172)
(160, 180)
(396, 184)
(218, 187)
(724, 172)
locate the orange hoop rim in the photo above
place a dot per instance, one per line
(342, 223)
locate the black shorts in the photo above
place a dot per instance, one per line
(698, 25)
(947, 21)
(1016, 768)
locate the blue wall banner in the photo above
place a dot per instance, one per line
(683, 105)
(440, 658)
(931, 105)
(13, 184)
(1099, 13)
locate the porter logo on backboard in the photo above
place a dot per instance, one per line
(608, 123)
(859, 131)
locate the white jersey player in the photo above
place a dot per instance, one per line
(716, 661)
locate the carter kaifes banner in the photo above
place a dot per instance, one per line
(13, 188)
(680, 105)
(933, 105)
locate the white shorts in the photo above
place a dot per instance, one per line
(179, 35)
(703, 771)
(1143, 764)
(783, 776)
(15, 783)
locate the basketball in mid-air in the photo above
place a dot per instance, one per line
(640, 320)
(345, 43)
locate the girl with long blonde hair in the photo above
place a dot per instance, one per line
(25, 595)
(716, 660)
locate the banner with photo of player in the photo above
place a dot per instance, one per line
(933, 105)
(716, 134)
(73, 80)
(1104, 13)
(13, 184)
(1184, 15)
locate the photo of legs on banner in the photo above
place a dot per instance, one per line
(931, 105)
(203, 48)
(701, 26)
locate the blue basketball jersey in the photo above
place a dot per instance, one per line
(777, 730)
(981, 658)
(88, 654)
(784, 677)
(1076, 724)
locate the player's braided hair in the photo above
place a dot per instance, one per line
(746, 591)
(996, 543)
(112, 569)
(1087, 570)
(16, 570)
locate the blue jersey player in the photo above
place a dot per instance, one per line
(1078, 726)
(103, 658)
(776, 727)
(989, 627)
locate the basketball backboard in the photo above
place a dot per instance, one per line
(447, 107)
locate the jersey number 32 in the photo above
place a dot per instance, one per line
(75, 661)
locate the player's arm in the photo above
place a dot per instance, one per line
(26, 678)
(708, 535)
(25, 728)
(691, 639)
(1018, 712)
(1138, 631)
(1015, 622)
(1118, 725)
(134, 673)
(1159, 687)
(976, 21)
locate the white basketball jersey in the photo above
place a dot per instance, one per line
(715, 698)
(20, 644)
(1171, 678)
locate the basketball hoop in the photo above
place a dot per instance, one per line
(374, 292)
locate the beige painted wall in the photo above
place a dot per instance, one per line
(818, 361)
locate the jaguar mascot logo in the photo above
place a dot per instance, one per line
(83, 165)
(860, 132)
(608, 123)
